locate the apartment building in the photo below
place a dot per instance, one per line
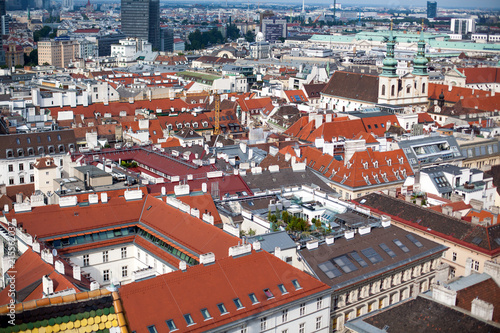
(57, 53)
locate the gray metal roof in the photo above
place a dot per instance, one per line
(269, 242)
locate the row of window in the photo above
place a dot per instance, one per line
(38, 139)
(41, 151)
(263, 321)
(106, 275)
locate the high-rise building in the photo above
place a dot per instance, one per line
(2, 16)
(431, 9)
(463, 26)
(274, 28)
(141, 19)
(167, 40)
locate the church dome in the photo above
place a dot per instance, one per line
(259, 37)
(390, 62)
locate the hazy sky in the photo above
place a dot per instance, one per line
(406, 3)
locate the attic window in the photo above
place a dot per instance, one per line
(253, 298)
(268, 293)
(222, 308)
(20, 152)
(10, 153)
(31, 152)
(189, 319)
(61, 148)
(179, 125)
(375, 164)
(51, 150)
(58, 137)
(389, 162)
(282, 289)
(401, 160)
(18, 141)
(238, 304)
(206, 314)
(296, 284)
(152, 329)
(365, 165)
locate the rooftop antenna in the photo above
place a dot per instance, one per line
(303, 6)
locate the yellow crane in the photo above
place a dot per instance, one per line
(217, 113)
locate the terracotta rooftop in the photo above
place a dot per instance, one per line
(487, 291)
(185, 292)
(348, 85)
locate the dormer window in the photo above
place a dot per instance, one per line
(61, 148)
(367, 180)
(365, 165)
(41, 150)
(403, 172)
(401, 160)
(9, 153)
(179, 125)
(187, 125)
(296, 284)
(195, 125)
(20, 152)
(389, 162)
(268, 293)
(375, 164)
(51, 150)
(31, 152)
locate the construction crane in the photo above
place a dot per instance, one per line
(217, 130)
(317, 18)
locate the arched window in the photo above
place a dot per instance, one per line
(383, 90)
(408, 89)
(423, 88)
(393, 88)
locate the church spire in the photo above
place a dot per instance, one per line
(389, 68)
(420, 61)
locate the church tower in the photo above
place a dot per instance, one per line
(388, 80)
(420, 71)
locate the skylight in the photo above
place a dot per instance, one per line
(253, 298)
(206, 314)
(345, 264)
(222, 308)
(238, 304)
(401, 245)
(330, 270)
(414, 240)
(372, 255)
(390, 252)
(171, 325)
(152, 329)
(282, 288)
(358, 259)
(189, 319)
(296, 284)
(268, 293)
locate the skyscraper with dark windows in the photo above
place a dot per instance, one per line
(2, 17)
(431, 9)
(141, 19)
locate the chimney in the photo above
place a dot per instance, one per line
(349, 234)
(457, 215)
(475, 220)
(207, 258)
(447, 210)
(77, 272)
(450, 87)
(47, 256)
(47, 285)
(482, 309)
(59, 266)
(277, 252)
(329, 240)
(468, 267)
(442, 273)
(487, 221)
(94, 285)
(492, 269)
(6, 208)
(35, 247)
(19, 198)
(455, 197)
(104, 197)
(318, 121)
(444, 294)
(364, 230)
(256, 245)
(204, 187)
(328, 118)
(311, 245)
(182, 265)
(386, 221)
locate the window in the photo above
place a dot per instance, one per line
(383, 89)
(263, 323)
(86, 260)
(358, 259)
(302, 309)
(105, 256)
(302, 328)
(423, 88)
(345, 264)
(106, 275)
(268, 293)
(11, 181)
(296, 284)
(124, 271)
(475, 265)
(238, 304)
(318, 323)
(390, 252)
(403, 247)
(319, 303)
(392, 90)
(222, 308)
(206, 314)
(49, 138)
(414, 240)
(282, 288)
(11, 168)
(372, 255)
(189, 319)
(21, 166)
(171, 325)
(152, 329)
(253, 298)
(124, 252)
(32, 165)
(21, 180)
(32, 178)
(408, 89)
(284, 315)
(454, 256)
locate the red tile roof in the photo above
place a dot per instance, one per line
(487, 291)
(255, 104)
(378, 125)
(305, 130)
(481, 74)
(455, 94)
(179, 293)
(425, 118)
(363, 169)
(481, 214)
(296, 96)
(30, 268)
(456, 206)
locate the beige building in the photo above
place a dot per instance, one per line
(470, 244)
(57, 53)
(45, 171)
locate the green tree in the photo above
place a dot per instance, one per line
(233, 32)
(32, 58)
(42, 33)
(250, 36)
(285, 216)
(251, 232)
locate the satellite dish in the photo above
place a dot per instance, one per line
(54, 252)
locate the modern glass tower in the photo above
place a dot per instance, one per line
(141, 19)
(431, 9)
